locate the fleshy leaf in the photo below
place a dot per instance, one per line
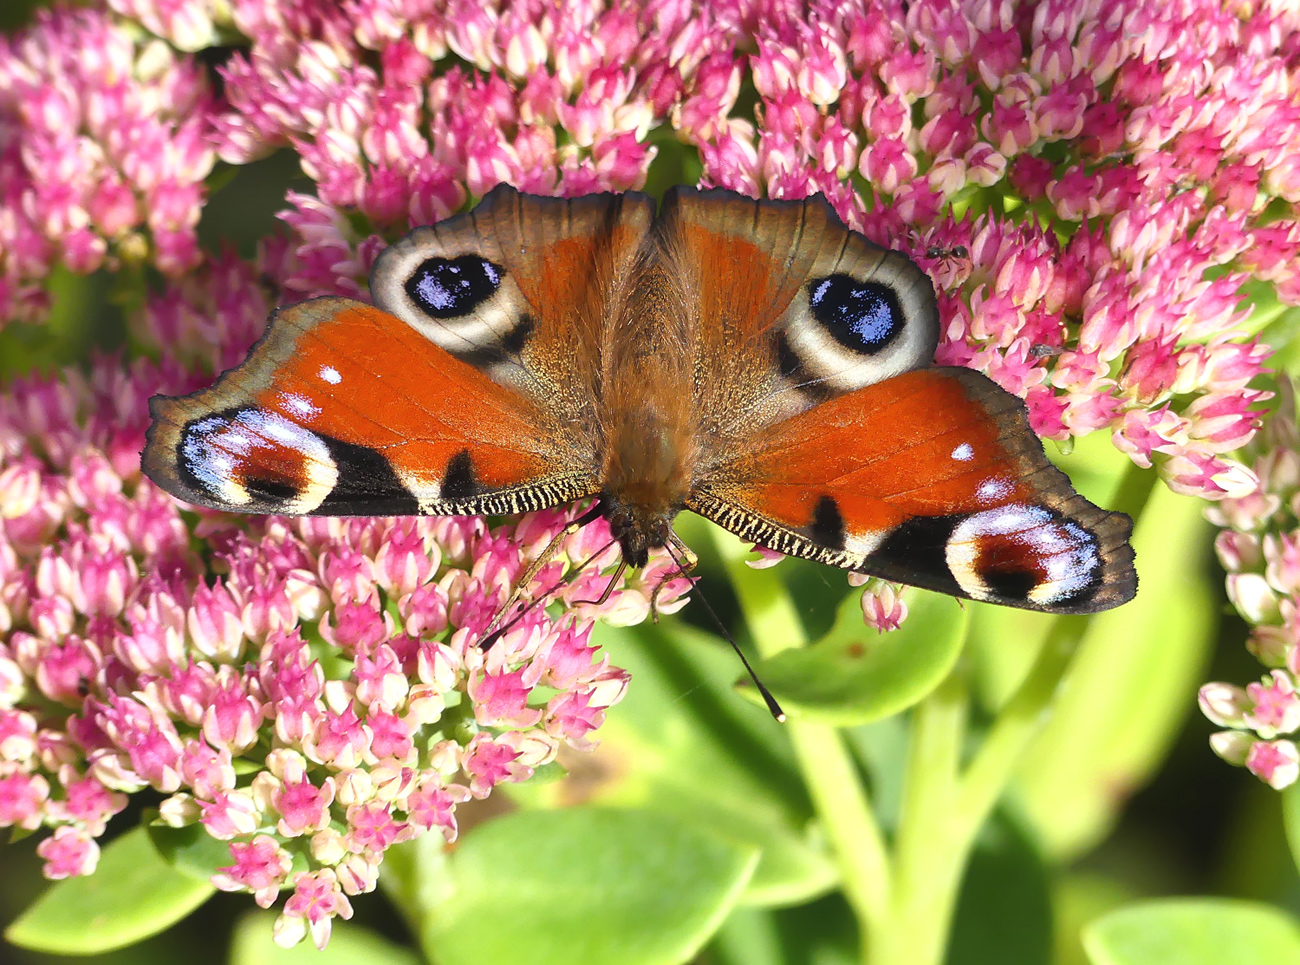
(1291, 820)
(1004, 913)
(190, 850)
(349, 945)
(855, 675)
(661, 750)
(133, 894)
(1193, 931)
(620, 887)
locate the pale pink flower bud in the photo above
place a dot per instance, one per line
(179, 810)
(230, 814)
(359, 873)
(20, 488)
(1224, 704)
(1232, 745)
(328, 846)
(352, 785)
(1253, 597)
(1276, 763)
(882, 606)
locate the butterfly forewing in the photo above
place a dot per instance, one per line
(527, 289)
(793, 308)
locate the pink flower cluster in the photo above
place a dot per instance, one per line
(315, 691)
(561, 101)
(1259, 546)
(105, 140)
(1090, 182)
(1113, 170)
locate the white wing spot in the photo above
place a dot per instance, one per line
(299, 405)
(992, 490)
(330, 374)
(964, 453)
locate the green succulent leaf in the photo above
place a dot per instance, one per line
(855, 675)
(683, 743)
(1193, 931)
(190, 850)
(620, 887)
(134, 893)
(1291, 820)
(349, 944)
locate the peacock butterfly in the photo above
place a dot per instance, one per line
(755, 362)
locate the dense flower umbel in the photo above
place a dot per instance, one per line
(334, 664)
(1259, 546)
(1113, 170)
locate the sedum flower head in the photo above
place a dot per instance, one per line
(1114, 172)
(1259, 545)
(1089, 183)
(105, 139)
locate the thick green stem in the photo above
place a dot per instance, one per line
(834, 784)
(929, 850)
(1020, 719)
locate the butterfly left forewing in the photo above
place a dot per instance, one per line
(342, 410)
(932, 478)
(470, 388)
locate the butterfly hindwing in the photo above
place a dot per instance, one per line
(526, 288)
(342, 409)
(792, 306)
(931, 478)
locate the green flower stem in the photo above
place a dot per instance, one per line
(930, 848)
(834, 784)
(1019, 721)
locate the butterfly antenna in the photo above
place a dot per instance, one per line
(773, 707)
(496, 634)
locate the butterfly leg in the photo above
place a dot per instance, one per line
(543, 558)
(609, 587)
(686, 563)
